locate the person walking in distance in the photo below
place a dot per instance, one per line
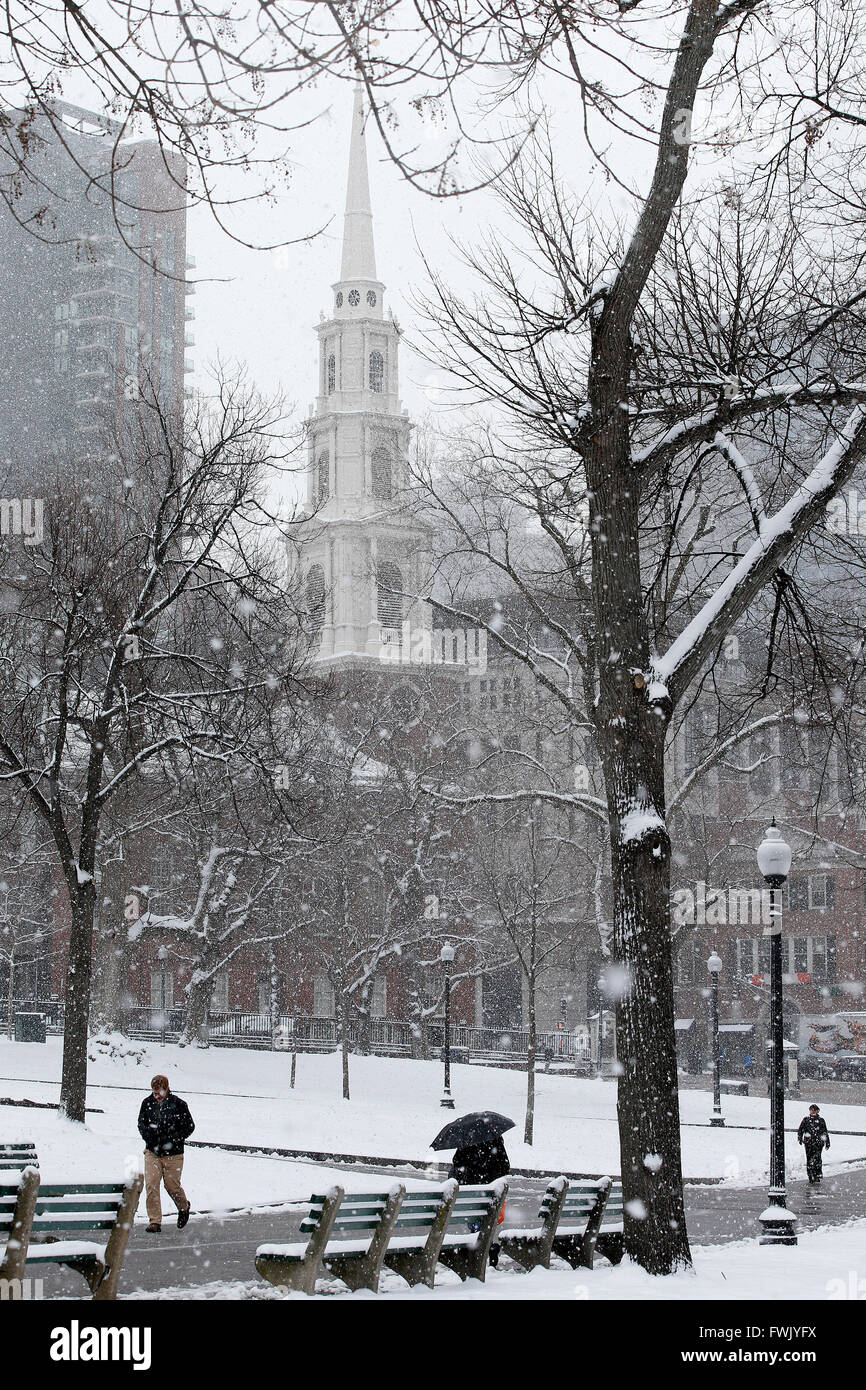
(164, 1122)
(813, 1135)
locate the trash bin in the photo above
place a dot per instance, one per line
(30, 1028)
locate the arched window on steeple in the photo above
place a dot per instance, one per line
(382, 480)
(316, 596)
(377, 371)
(324, 474)
(332, 374)
(389, 586)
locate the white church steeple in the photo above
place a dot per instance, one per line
(366, 551)
(359, 254)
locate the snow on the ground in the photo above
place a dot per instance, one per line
(825, 1265)
(243, 1097)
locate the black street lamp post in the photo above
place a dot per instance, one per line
(446, 955)
(714, 965)
(778, 1224)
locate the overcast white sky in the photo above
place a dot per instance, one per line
(260, 307)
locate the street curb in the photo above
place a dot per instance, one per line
(332, 1158)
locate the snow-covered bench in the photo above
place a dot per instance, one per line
(466, 1246)
(450, 1225)
(18, 1156)
(17, 1204)
(370, 1215)
(407, 1232)
(419, 1231)
(577, 1220)
(86, 1207)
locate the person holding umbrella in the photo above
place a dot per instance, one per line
(479, 1153)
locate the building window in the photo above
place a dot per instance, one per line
(316, 595)
(379, 998)
(324, 474)
(377, 371)
(821, 890)
(761, 752)
(219, 1001)
(381, 462)
(332, 374)
(690, 968)
(389, 583)
(324, 1002)
(61, 338)
(801, 955)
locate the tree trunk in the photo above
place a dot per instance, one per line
(419, 1041)
(364, 1022)
(531, 1053)
(343, 1025)
(198, 1002)
(108, 981)
(631, 720)
(79, 971)
(274, 998)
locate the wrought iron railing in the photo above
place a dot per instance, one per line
(306, 1033)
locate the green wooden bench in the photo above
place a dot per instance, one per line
(419, 1231)
(18, 1156)
(610, 1241)
(534, 1247)
(17, 1204)
(471, 1229)
(368, 1215)
(86, 1207)
(578, 1220)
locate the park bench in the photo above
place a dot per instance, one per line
(368, 1215)
(459, 1224)
(18, 1155)
(407, 1232)
(577, 1220)
(419, 1232)
(470, 1231)
(17, 1204)
(85, 1207)
(610, 1241)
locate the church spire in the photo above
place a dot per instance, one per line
(359, 256)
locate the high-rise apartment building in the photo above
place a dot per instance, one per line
(93, 289)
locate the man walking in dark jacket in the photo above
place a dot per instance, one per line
(164, 1122)
(813, 1135)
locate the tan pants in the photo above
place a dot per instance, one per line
(167, 1170)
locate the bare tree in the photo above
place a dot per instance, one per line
(635, 378)
(105, 667)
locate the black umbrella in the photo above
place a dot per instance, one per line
(481, 1127)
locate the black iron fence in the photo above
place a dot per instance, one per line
(303, 1033)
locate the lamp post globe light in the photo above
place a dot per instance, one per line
(778, 1224)
(446, 955)
(714, 965)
